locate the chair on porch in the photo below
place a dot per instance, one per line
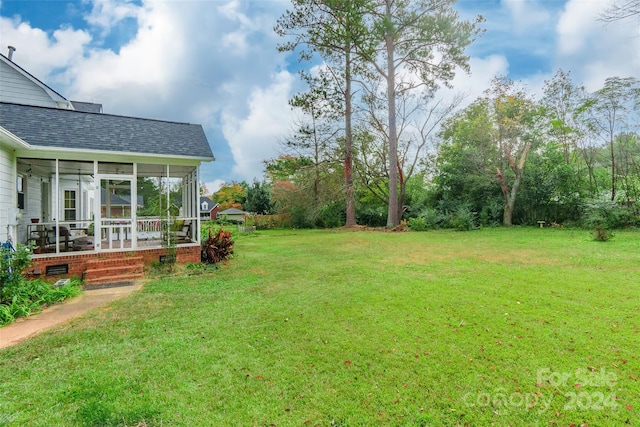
(184, 234)
(51, 239)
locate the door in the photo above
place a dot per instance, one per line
(117, 212)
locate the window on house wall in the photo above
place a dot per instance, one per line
(20, 188)
(69, 205)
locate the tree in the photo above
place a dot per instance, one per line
(419, 117)
(292, 188)
(421, 43)
(621, 9)
(259, 199)
(285, 168)
(315, 135)
(466, 163)
(203, 190)
(516, 120)
(562, 100)
(231, 196)
(332, 29)
(610, 111)
(150, 193)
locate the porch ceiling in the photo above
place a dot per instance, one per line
(67, 167)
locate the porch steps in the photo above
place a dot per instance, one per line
(113, 270)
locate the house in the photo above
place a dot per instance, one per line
(233, 214)
(208, 209)
(68, 174)
(118, 205)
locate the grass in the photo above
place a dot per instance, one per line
(491, 327)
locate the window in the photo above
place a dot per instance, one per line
(69, 205)
(20, 188)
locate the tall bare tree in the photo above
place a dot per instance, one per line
(419, 116)
(331, 29)
(420, 43)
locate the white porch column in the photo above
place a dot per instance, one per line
(197, 202)
(134, 208)
(57, 206)
(97, 211)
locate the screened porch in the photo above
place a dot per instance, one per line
(78, 206)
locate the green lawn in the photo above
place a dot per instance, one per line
(498, 326)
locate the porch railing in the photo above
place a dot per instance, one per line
(113, 234)
(65, 236)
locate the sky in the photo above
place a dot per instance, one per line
(215, 62)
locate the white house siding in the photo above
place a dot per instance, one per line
(7, 190)
(16, 88)
(32, 201)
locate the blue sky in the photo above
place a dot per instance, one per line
(215, 62)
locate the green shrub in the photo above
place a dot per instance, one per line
(601, 234)
(492, 213)
(601, 216)
(331, 215)
(269, 222)
(463, 219)
(12, 264)
(299, 217)
(20, 297)
(32, 296)
(600, 213)
(429, 219)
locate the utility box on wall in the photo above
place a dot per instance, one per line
(13, 216)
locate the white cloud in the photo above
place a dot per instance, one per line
(214, 186)
(526, 15)
(254, 138)
(594, 50)
(40, 53)
(106, 14)
(473, 85)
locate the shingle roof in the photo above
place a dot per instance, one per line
(232, 211)
(87, 107)
(210, 204)
(51, 127)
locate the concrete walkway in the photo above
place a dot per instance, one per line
(24, 328)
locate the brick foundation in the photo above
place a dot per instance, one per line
(77, 262)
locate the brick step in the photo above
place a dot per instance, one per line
(118, 278)
(112, 270)
(115, 269)
(104, 262)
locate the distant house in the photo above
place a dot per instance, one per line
(118, 206)
(233, 214)
(208, 209)
(65, 165)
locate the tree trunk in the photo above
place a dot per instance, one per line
(403, 191)
(510, 195)
(510, 202)
(348, 144)
(392, 217)
(613, 166)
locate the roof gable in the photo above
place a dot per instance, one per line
(18, 85)
(206, 204)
